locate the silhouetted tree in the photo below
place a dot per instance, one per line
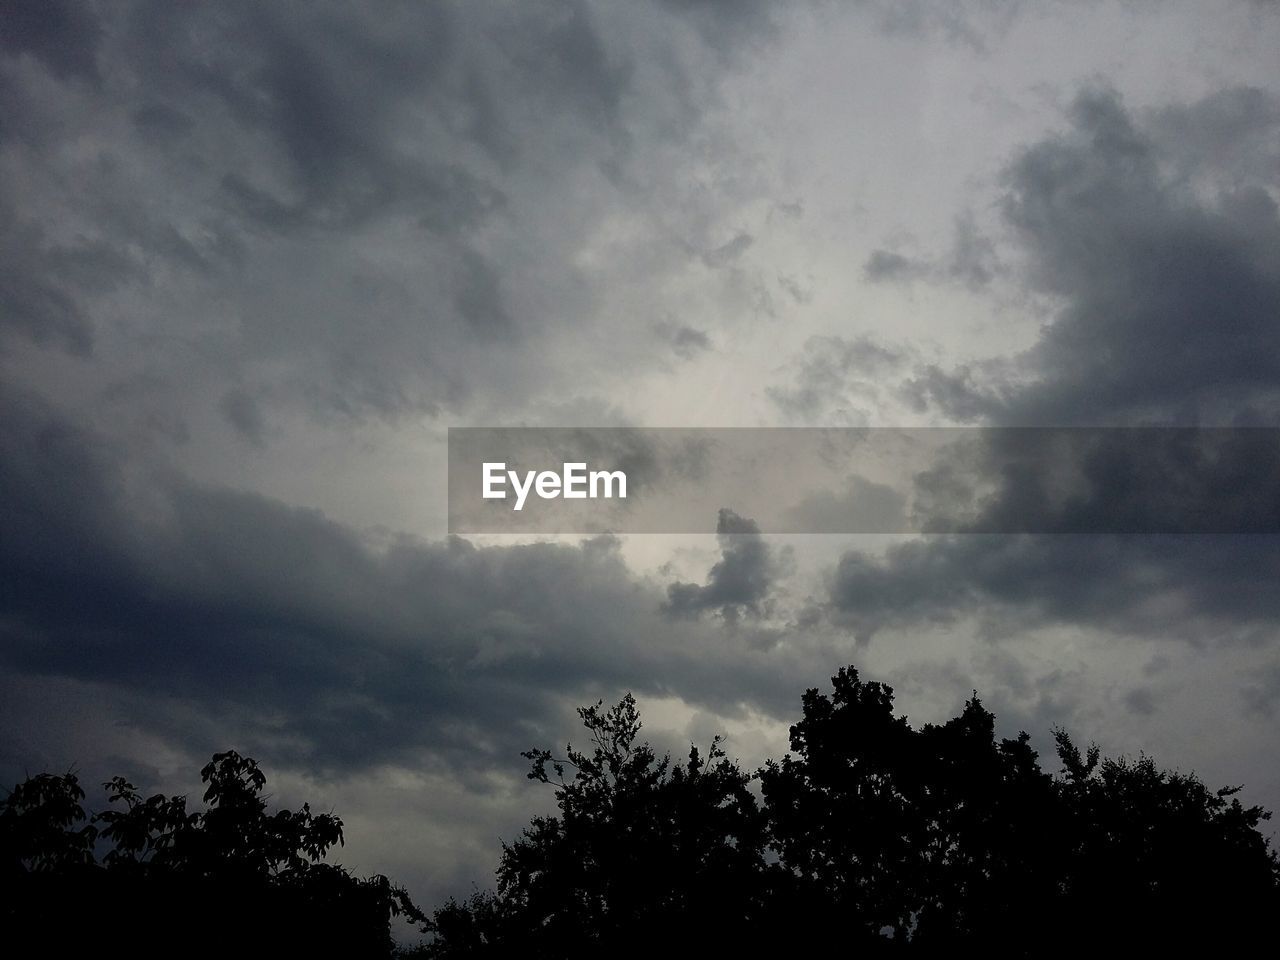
(231, 877)
(932, 835)
(1159, 859)
(871, 835)
(874, 836)
(644, 852)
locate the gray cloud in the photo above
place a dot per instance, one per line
(1168, 303)
(740, 582)
(1140, 700)
(885, 265)
(1093, 502)
(689, 341)
(863, 505)
(279, 248)
(971, 261)
(838, 380)
(32, 303)
(1104, 480)
(61, 34)
(1192, 588)
(1168, 293)
(330, 654)
(727, 253)
(1262, 692)
(686, 341)
(243, 412)
(365, 211)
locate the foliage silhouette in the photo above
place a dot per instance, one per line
(869, 834)
(643, 848)
(873, 836)
(229, 878)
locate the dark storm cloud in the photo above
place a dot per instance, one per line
(1093, 499)
(729, 24)
(726, 24)
(1165, 258)
(1196, 588)
(740, 582)
(367, 210)
(61, 34)
(1140, 700)
(1230, 133)
(1171, 302)
(966, 395)
(322, 99)
(1104, 480)
(243, 412)
(1262, 692)
(199, 602)
(1098, 494)
(32, 302)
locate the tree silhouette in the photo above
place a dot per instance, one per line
(231, 877)
(643, 849)
(1159, 851)
(872, 835)
(938, 835)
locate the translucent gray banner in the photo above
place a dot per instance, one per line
(865, 480)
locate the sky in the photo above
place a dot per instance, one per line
(257, 258)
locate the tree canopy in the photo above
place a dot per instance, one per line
(640, 841)
(870, 834)
(151, 877)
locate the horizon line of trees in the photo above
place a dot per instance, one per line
(874, 836)
(869, 834)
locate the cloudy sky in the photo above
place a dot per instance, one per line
(256, 258)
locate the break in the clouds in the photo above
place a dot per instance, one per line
(256, 257)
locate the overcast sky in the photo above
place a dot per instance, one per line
(256, 258)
